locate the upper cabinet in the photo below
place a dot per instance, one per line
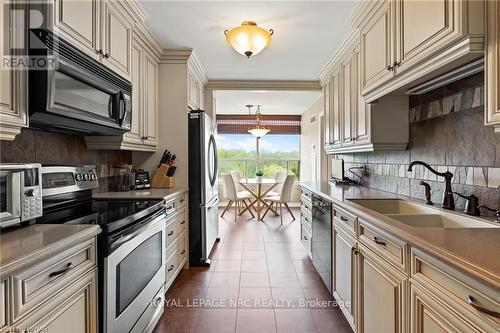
(13, 82)
(407, 42)
(492, 71)
(352, 125)
(196, 87)
(144, 74)
(100, 28)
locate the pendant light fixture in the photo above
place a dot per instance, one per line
(248, 39)
(258, 130)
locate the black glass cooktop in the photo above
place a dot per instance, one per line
(109, 214)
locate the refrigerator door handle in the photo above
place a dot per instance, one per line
(212, 204)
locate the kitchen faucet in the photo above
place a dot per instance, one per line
(448, 200)
(428, 193)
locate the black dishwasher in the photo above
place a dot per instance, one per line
(322, 238)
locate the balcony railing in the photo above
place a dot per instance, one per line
(248, 166)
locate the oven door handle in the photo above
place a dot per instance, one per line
(120, 241)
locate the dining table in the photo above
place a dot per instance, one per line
(255, 187)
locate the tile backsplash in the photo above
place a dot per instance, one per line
(33, 146)
(446, 131)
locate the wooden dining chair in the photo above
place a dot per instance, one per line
(235, 197)
(282, 199)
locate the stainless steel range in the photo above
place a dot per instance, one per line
(130, 250)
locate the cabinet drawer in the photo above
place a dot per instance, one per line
(306, 219)
(345, 220)
(468, 296)
(171, 232)
(182, 221)
(306, 194)
(171, 266)
(181, 201)
(170, 207)
(3, 304)
(40, 282)
(389, 247)
(305, 238)
(182, 249)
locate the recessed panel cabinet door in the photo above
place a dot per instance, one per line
(362, 114)
(424, 27)
(116, 39)
(336, 102)
(78, 22)
(382, 295)
(150, 97)
(326, 103)
(492, 69)
(377, 49)
(13, 106)
(344, 273)
(135, 75)
(349, 104)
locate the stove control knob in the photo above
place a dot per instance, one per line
(31, 192)
(93, 177)
(87, 176)
(79, 176)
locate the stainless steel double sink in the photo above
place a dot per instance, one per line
(418, 215)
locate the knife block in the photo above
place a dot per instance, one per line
(160, 178)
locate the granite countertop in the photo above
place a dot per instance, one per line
(24, 246)
(154, 193)
(473, 251)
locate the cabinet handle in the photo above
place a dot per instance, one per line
(100, 52)
(396, 64)
(378, 241)
(345, 219)
(170, 233)
(171, 268)
(183, 251)
(305, 237)
(353, 249)
(471, 302)
(182, 200)
(183, 222)
(390, 68)
(62, 271)
(106, 55)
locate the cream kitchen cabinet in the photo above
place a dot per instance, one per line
(327, 114)
(344, 286)
(492, 69)
(143, 135)
(382, 294)
(13, 82)
(79, 23)
(195, 91)
(377, 46)
(407, 42)
(355, 126)
(100, 28)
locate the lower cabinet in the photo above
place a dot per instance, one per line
(344, 273)
(75, 307)
(382, 294)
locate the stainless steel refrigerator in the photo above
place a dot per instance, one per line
(203, 192)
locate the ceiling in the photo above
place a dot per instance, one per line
(272, 102)
(305, 35)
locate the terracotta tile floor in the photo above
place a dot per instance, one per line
(259, 280)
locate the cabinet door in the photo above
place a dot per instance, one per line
(362, 120)
(75, 307)
(382, 295)
(430, 316)
(13, 83)
(492, 68)
(201, 99)
(336, 101)
(192, 92)
(377, 55)
(344, 273)
(116, 39)
(135, 134)
(349, 103)
(150, 94)
(78, 22)
(424, 27)
(327, 111)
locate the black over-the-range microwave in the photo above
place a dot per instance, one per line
(74, 93)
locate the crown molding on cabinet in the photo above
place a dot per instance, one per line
(197, 69)
(346, 46)
(362, 11)
(185, 56)
(306, 85)
(152, 43)
(135, 9)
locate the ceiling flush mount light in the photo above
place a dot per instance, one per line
(248, 39)
(258, 130)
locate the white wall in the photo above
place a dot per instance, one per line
(310, 142)
(173, 123)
